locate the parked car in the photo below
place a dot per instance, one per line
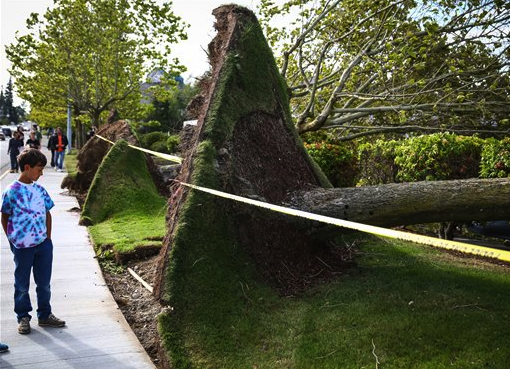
(2, 136)
(496, 229)
(7, 132)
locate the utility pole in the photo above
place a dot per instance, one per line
(69, 130)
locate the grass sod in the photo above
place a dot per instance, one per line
(409, 306)
(70, 161)
(123, 204)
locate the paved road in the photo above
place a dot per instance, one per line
(97, 335)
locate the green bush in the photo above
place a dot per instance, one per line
(160, 146)
(495, 162)
(171, 143)
(377, 163)
(148, 139)
(438, 156)
(337, 161)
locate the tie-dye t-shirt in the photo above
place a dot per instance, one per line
(27, 205)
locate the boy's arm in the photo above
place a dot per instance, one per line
(48, 224)
(5, 219)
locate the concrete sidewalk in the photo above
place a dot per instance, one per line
(97, 335)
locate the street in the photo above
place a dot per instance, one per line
(4, 157)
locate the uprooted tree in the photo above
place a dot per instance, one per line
(245, 143)
(358, 68)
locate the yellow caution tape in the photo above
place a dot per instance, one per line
(385, 232)
(173, 158)
(425, 240)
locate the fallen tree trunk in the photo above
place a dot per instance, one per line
(411, 203)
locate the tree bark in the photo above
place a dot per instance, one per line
(411, 203)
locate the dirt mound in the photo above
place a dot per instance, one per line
(92, 153)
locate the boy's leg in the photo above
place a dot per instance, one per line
(23, 261)
(42, 276)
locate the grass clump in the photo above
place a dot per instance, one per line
(70, 162)
(123, 205)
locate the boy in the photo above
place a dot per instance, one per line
(26, 221)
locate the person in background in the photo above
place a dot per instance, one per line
(52, 146)
(38, 134)
(13, 150)
(27, 223)
(21, 134)
(61, 143)
(33, 142)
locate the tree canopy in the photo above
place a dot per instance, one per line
(8, 112)
(362, 67)
(93, 53)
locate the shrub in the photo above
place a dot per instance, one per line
(338, 162)
(377, 163)
(160, 146)
(148, 139)
(438, 156)
(495, 162)
(172, 142)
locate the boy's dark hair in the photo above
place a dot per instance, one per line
(32, 157)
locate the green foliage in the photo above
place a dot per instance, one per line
(377, 162)
(426, 157)
(172, 142)
(160, 142)
(93, 53)
(367, 64)
(49, 118)
(169, 106)
(438, 156)
(160, 146)
(106, 258)
(148, 139)
(8, 112)
(337, 161)
(495, 161)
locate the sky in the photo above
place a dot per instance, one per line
(198, 14)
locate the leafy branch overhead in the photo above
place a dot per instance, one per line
(384, 63)
(93, 53)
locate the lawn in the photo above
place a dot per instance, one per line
(403, 306)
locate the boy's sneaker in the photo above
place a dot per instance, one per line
(24, 325)
(51, 321)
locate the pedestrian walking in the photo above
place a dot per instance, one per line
(13, 150)
(60, 149)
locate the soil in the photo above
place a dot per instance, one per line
(137, 304)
